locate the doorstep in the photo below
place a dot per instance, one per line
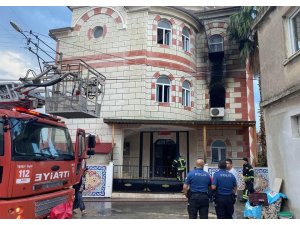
(124, 196)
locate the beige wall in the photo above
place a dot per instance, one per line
(279, 73)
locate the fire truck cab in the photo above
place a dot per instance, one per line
(38, 163)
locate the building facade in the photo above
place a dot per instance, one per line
(175, 86)
(280, 87)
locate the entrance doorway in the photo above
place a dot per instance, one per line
(165, 151)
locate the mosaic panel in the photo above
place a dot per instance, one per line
(95, 181)
(261, 178)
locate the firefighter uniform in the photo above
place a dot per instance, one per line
(179, 165)
(225, 183)
(198, 181)
(248, 174)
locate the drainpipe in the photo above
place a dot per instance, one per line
(113, 143)
(204, 143)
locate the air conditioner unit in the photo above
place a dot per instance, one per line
(216, 112)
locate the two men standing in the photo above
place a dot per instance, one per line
(198, 182)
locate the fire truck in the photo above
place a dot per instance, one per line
(39, 162)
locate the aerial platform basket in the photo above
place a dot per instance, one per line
(80, 92)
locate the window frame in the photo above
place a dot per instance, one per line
(164, 88)
(81, 144)
(186, 94)
(164, 33)
(219, 150)
(186, 40)
(95, 30)
(216, 44)
(293, 43)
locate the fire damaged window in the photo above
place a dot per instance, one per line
(215, 43)
(164, 33)
(163, 89)
(217, 93)
(1, 138)
(186, 94)
(186, 39)
(218, 151)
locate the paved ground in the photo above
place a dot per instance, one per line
(141, 209)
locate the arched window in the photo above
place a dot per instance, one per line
(218, 151)
(164, 32)
(216, 43)
(186, 39)
(186, 93)
(163, 89)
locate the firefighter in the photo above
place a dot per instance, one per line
(79, 188)
(179, 166)
(248, 174)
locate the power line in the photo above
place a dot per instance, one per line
(133, 60)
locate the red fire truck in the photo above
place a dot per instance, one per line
(39, 163)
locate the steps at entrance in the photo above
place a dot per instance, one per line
(148, 196)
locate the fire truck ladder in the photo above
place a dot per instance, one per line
(72, 89)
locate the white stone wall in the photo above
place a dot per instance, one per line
(283, 141)
(129, 56)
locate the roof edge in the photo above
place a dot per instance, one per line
(178, 122)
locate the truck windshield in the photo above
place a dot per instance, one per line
(39, 141)
(1, 138)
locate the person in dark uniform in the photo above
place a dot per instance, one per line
(248, 174)
(179, 165)
(225, 185)
(79, 188)
(197, 184)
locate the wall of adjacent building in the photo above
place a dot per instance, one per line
(279, 74)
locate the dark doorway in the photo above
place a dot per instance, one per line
(165, 151)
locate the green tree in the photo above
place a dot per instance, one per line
(240, 31)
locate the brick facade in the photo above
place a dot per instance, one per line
(129, 56)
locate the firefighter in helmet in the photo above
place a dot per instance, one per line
(248, 174)
(179, 165)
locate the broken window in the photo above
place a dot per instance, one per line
(186, 93)
(217, 94)
(186, 39)
(164, 33)
(218, 151)
(163, 89)
(215, 43)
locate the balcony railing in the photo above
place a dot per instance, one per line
(144, 172)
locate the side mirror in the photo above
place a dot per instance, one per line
(91, 141)
(90, 152)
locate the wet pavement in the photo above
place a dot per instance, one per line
(141, 209)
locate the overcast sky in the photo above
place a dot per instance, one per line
(15, 59)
